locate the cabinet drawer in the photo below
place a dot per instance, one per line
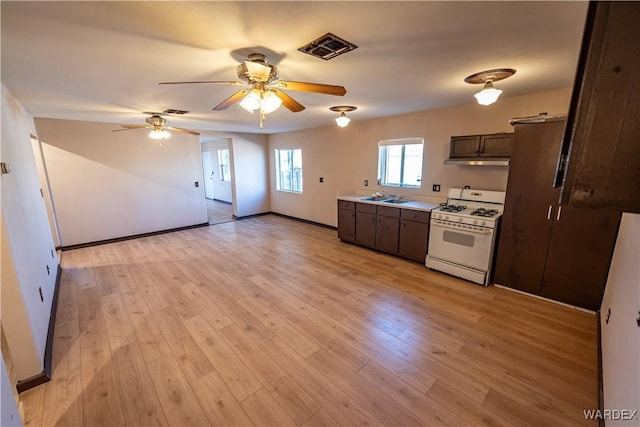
(418, 216)
(388, 211)
(366, 208)
(343, 204)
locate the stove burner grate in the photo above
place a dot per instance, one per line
(485, 212)
(452, 208)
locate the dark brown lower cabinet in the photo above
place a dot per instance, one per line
(545, 248)
(387, 229)
(403, 232)
(347, 221)
(414, 234)
(366, 224)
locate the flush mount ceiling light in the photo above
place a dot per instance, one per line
(488, 95)
(342, 120)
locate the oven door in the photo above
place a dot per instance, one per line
(470, 247)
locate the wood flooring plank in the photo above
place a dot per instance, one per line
(180, 405)
(337, 403)
(140, 403)
(235, 375)
(218, 403)
(363, 391)
(101, 404)
(429, 411)
(321, 419)
(296, 403)
(265, 411)
(183, 346)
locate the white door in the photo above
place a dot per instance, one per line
(207, 168)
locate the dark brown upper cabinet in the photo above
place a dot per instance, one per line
(474, 149)
(601, 146)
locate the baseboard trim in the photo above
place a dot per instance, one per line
(251, 216)
(135, 236)
(319, 224)
(586, 310)
(222, 201)
(46, 374)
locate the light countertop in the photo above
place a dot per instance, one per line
(413, 204)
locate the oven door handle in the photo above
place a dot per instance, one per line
(479, 230)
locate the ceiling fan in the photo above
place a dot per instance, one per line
(158, 126)
(264, 92)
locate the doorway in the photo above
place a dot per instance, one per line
(217, 181)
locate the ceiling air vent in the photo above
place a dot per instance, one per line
(172, 111)
(327, 47)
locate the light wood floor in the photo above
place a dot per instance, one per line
(270, 322)
(219, 212)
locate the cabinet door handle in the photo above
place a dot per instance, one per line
(549, 211)
(559, 211)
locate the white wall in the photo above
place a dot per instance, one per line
(345, 157)
(27, 245)
(221, 189)
(621, 336)
(249, 166)
(9, 416)
(109, 184)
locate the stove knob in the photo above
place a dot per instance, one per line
(482, 223)
(446, 217)
(475, 221)
(460, 219)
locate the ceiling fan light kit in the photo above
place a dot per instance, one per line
(342, 120)
(489, 94)
(264, 93)
(158, 126)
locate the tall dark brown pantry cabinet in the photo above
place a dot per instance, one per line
(546, 248)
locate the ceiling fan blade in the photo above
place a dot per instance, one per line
(289, 102)
(258, 71)
(231, 100)
(222, 82)
(129, 127)
(190, 132)
(311, 87)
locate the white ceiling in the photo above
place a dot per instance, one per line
(102, 61)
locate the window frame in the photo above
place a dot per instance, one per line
(279, 175)
(383, 161)
(222, 165)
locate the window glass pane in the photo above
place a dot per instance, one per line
(400, 162)
(289, 170)
(412, 165)
(394, 164)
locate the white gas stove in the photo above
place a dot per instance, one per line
(463, 233)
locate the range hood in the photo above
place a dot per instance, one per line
(478, 161)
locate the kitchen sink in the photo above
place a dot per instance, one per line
(375, 199)
(396, 201)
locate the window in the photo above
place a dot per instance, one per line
(223, 161)
(400, 162)
(289, 170)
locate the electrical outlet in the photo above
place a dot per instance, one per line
(366, 182)
(436, 188)
(321, 179)
(197, 184)
(467, 187)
